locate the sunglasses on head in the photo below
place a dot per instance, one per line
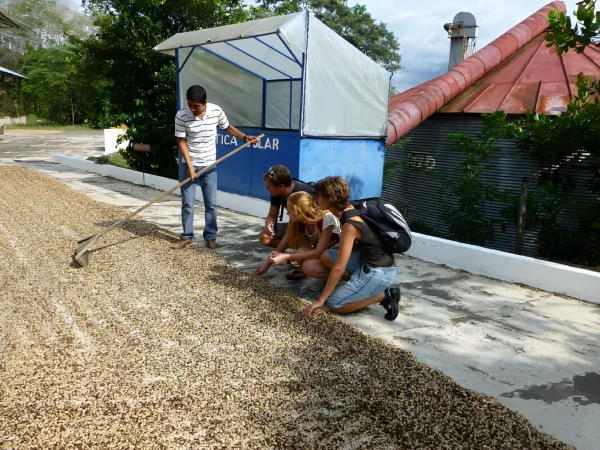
(271, 174)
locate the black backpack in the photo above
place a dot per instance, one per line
(385, 221)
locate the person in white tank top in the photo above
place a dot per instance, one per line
(311, 232)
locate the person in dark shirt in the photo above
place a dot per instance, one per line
(280, 184)
(371, 269)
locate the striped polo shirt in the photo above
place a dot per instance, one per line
(201, 134)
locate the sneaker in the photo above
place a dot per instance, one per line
(212, 244)
(390, 302)
(181, 244)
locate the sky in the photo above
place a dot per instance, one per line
(424, 44)
(418, 24)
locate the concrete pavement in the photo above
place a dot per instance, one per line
(535, 352)
(31, 145)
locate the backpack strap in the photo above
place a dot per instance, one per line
(347, 215)
(310, 183)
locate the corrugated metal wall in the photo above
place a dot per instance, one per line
(418, 196)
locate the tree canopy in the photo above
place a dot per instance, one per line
(41, 50)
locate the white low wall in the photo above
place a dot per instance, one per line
(547, 276)
(13, 120)
(544, 275)
(252, 206)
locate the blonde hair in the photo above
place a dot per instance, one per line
(307, 211)
(305, 208)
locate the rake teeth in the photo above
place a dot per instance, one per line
(79, 248)
(80, 261)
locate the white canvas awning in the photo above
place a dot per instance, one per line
(7, 21)
(285, 72)
(10, 72)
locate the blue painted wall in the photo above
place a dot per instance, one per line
(242, 173)
(360, 162)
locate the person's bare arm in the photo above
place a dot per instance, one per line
(283, 244)
(238, 134)
(264, 266)
(185, 152)
(277, 257)
(349, 234)
(271, 220)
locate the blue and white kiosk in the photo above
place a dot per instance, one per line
(321, 103)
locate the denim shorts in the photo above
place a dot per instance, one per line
(366, 281)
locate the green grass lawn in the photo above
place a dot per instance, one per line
(118, 161)
(114, 160)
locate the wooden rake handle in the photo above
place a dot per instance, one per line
(94, 237)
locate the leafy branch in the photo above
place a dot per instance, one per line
(566, 36)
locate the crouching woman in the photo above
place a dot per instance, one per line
(311, 231)
(371, 269)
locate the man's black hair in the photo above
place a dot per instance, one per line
(196, 94)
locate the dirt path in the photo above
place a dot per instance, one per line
(149, 347)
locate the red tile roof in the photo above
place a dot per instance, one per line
(536, 78)
(513, 73)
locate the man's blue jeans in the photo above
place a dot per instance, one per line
(208, 184)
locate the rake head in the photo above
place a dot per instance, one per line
(80, 260)
(81, 256)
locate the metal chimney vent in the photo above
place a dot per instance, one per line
(462, 33)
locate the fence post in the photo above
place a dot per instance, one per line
(522, 217)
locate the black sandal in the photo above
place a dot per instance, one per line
(296, 275)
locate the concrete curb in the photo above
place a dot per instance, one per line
(548, 276)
